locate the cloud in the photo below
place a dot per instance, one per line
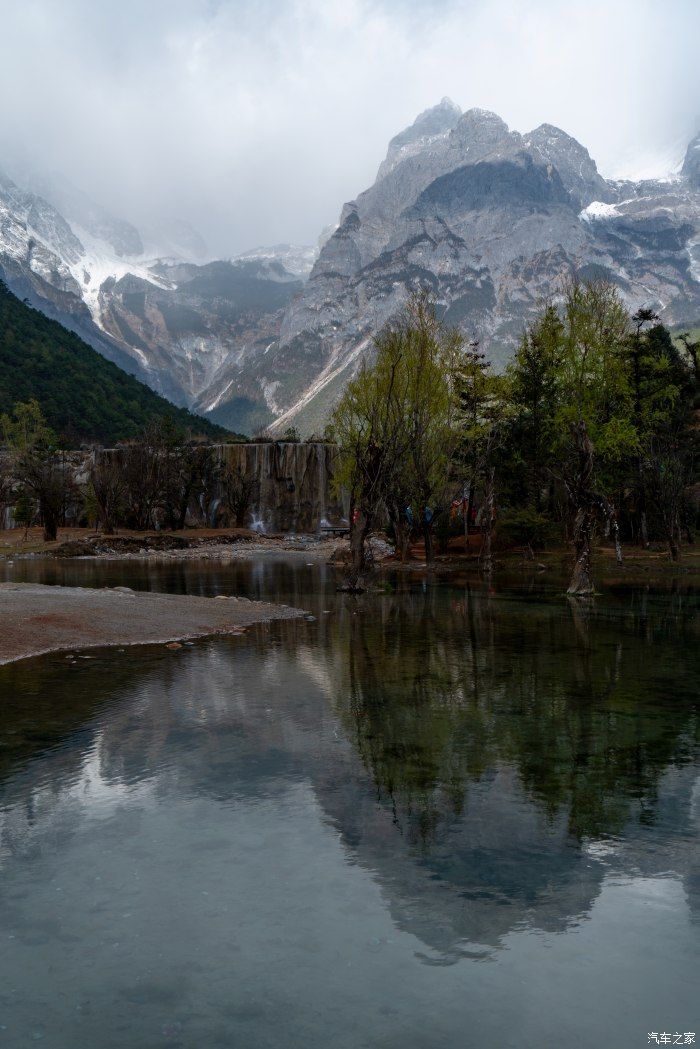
(256, 119)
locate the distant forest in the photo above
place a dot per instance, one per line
(83, 396)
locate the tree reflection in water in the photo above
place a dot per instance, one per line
(588, 710)
(475, 750)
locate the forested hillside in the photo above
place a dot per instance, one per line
(83, 396)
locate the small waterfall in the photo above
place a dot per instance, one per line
(322, 486)
(291, 484)
(213, 511)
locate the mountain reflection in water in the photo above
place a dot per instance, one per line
(501, 765)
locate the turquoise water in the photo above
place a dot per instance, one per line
(441, 816)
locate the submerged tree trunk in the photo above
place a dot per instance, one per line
(588, 504)
(611, 521)
(358, 552)
(403, 539)
(486, 557)
(582, 575)
(402, 532)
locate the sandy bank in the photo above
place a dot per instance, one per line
(316, 551)
(233, 544)
(36, 619)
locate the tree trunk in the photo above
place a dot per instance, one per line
(674, 538)
(642, 505)
(613, 526)
(402, 533)
(582, 576)
(50, 527)
(471, 485)
(358, 552)
(486, 558)
(428, 540)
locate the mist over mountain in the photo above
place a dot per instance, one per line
(486, 218)
(252, 121)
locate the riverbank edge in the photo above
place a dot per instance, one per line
(37, 620)
(642, 566)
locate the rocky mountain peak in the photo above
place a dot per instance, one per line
(479, 131)
(490, 220)
(576, 167)
(433, 121)
(477, 117)
(34, 217)
(431, 124)
(83, 213)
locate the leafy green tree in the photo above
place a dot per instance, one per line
(692, 349)
(600, 410)
(430, 353)
(474, 389)
(395, 427)
(534, 390)
(371, 439)
(668, 436)
(654, 380)
(595, 430)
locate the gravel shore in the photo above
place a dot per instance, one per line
(294, 549)
(35, 619)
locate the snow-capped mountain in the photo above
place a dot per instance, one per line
(488, 219)
(145, 301)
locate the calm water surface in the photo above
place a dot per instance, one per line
(438, 817)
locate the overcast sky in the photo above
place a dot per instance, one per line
(256, 119)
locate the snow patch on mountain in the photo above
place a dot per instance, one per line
(597, 209)
(297, 259)
(219, 397)
(99, 263)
